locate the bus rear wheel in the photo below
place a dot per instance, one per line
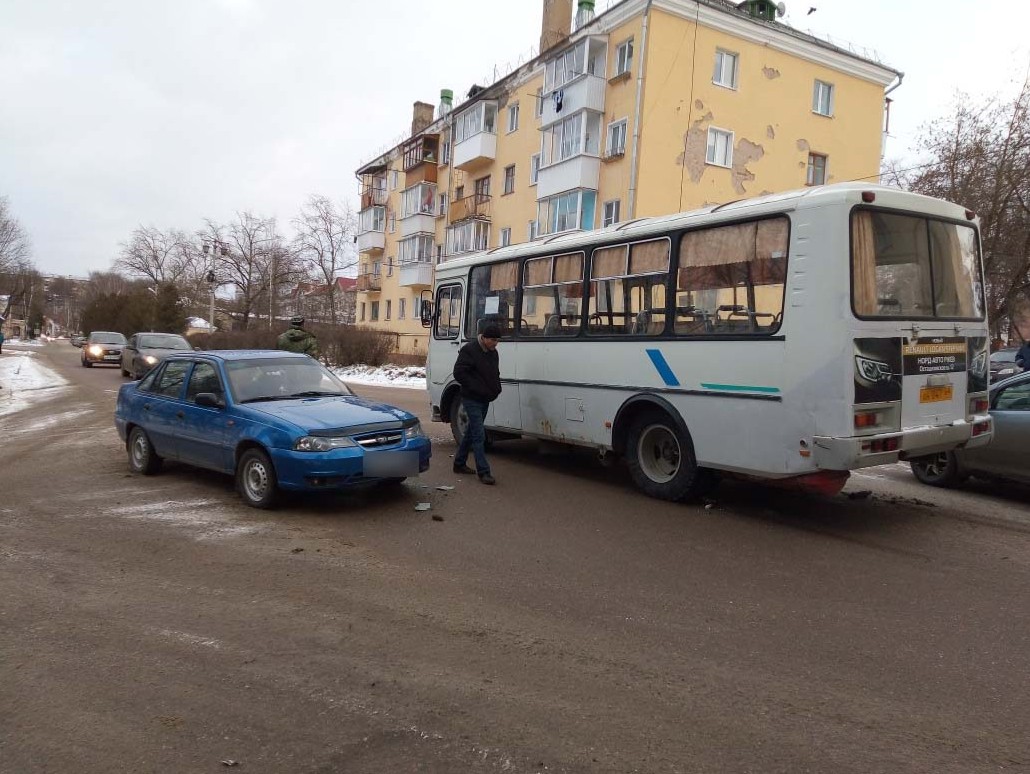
(660, 458)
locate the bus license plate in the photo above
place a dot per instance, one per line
(935, 394)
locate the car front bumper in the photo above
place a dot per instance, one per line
(343, 468)
(854, 451)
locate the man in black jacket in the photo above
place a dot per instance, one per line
(477, 370)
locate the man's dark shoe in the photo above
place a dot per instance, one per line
(463, 469)
(486, 478)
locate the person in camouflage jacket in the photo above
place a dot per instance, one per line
(296, 339)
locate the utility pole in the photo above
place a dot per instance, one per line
(212, 246)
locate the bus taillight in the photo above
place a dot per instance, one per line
(866, 419)
(981, 427)
(978, 406)
(881, 445)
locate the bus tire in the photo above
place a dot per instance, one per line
(660, 458)
(939, 469)
(460, 422)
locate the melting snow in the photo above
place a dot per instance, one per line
(24, 381)
(411, 377)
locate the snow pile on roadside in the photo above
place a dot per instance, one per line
(412, 377)
(40, 342)
(24, 381)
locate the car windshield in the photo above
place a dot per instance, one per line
(282, 378)
(1004, 356)
(163, 341)
(107, 338)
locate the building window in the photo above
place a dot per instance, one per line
(567, 211)
(720, 148)
(532, 230)
(617, 138)
(377, 269)
(442, 205)
(402, 304)
(725, 69)
(393, 222)
(534, 168)
(389, 267)
(822, 98)
(816, 169)
(509, 179)
(505, 237)
(480, 118)
(362, 317)
(418, 200)
(389, 306)
(576, 134)
(481, 186)
(372, 219)
(415, 249)
(394, 177)
(375, 311)
(611, 212)
(445, 154)
(513, 117)
(539, 107)
(459, 193)
(468, 237)
(624, 57)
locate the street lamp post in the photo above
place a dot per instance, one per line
(212, 246)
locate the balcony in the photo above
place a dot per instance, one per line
(474, 206)
(369, 283)
(584, 93)
(475, 141)
(374, 197)
(418, 210)
(579, 171)
(371, 240)
(416, 274)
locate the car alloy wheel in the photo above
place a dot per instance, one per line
(939, 469)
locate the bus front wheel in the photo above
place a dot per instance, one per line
(661, 459)
(460, 425)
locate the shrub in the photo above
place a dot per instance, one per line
(339, 345)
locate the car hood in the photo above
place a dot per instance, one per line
(344, 413)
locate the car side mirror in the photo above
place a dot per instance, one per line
(427, 314)
(209, 400)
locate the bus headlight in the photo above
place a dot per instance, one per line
(310, 443)
(873, 370)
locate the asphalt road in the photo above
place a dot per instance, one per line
(557, 622)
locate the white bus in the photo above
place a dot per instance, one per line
(792, 338)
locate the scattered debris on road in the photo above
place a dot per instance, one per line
(437, 517)
(446, 488)
(423, 506)
(230, 763)
(296, 550)
(860, 495)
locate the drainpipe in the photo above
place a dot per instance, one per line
(634, 158)
(887, 122)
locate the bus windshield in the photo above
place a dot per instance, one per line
(906, 267)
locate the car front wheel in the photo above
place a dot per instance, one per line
(142, 457)
(937, 469)
(255, 479)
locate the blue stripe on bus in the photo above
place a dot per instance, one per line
(663, 368)
(740, 388)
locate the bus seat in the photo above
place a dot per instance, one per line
(553, 325)
(641, 323)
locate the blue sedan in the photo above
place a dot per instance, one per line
(276, 420)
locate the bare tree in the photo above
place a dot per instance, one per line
(162, 256)
(979, 156)
(325, 242)
(14, 242)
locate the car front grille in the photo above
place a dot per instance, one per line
(375, 440)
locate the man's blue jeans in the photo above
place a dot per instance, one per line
(475, 436)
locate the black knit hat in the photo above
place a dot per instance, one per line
(296, 322)
(490, 331)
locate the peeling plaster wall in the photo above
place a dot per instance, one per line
(744, 152)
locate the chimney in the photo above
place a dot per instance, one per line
(585, 13)
(446, 102)
(421, 117)
(556, 24)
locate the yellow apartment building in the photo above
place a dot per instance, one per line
(651, 108)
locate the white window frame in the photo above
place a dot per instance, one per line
(442, 204)
(394, 179)
(513, 118)
(505, 237)
(401, 308)
(505, 190)
(534, 168)
(478, 119)
(538, 109)
(712, 150)
(415, 249)
(624, 57)
(419, 199)
(819, 89)
(611, 212)
(468, 237)
(616, 148)
(811, 167)
(532, 230)
(719, 74)
(372, 219)
(389, 309)
(445, 154)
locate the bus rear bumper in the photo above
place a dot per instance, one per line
(883, 448)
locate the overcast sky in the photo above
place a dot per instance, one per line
(117, 113)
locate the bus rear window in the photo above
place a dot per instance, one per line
(909, 267)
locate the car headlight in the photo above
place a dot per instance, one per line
(311, 443)
(1006, 372)
(150, 359)
(95, 350)
(415, 431)
(873, 370)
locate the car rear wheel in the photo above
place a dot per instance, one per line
(256, 480)
(142, 457)
(660, 458)
(937, 469)
(86, 363)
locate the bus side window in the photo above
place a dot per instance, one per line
(628, 289)
(731, 279)
(448, 312)
(552, 290)
(492, 298)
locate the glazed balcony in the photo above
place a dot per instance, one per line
(416, 274)
(475, 137)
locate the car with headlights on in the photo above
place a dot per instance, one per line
(102, 347)
(146, 350)
(275, 420)
(1007, 456)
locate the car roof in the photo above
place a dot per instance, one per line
(229, 355)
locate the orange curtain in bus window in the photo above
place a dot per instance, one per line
(569, 268)
(503, 276)
(538, 272)
(953, 274)
(771, 242)
(863, 257)
(608, 262)
(649, 257)
(716, 257)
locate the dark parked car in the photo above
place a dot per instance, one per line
(1003, 364)
(276, 420)
(1006, 456)
(103, 347)
(145, 350)
(78, 340)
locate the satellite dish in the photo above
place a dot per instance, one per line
(781, 9)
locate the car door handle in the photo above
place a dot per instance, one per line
(180, 414)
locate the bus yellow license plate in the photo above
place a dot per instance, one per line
(935, 394)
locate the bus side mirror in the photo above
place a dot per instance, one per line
(427, 314)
